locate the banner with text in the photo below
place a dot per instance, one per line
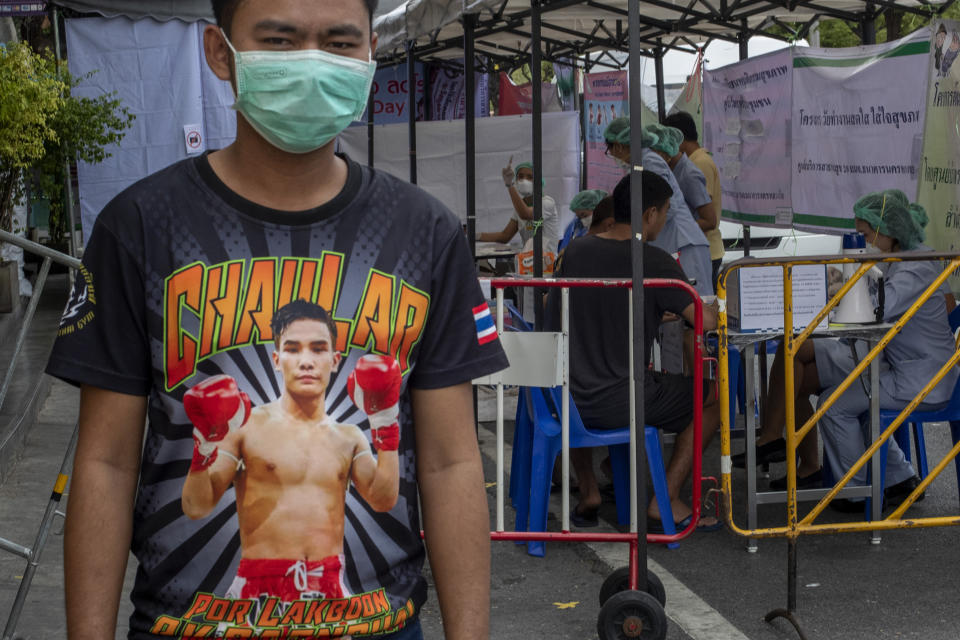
(857, 126)
(517, 99)
(939, 188)
(746, 125)
(605, 97)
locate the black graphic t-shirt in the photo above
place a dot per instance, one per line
(182, 279)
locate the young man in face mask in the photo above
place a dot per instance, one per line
(189, 267)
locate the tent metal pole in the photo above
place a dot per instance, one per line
(68, 205)
(636, 298)
(370, 106)
(868, 26)
(412, 109)
(583, 129)
(744, 41)
(658, 69)
(470, 121)
(536, 74)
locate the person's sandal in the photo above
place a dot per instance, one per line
(773, 451)
(586, 518)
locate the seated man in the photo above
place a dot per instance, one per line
(602, 219)
(599, 351)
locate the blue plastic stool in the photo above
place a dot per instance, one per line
(950, 413)
(534, 482)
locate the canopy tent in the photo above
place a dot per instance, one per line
(573, 28)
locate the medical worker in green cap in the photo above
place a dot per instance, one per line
(681, 236)
(692, 181)
(582, 206)
(519, 183)
(890, 224)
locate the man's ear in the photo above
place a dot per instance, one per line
(337, 358)
(219, 57)
(374, 39)
(276, 358)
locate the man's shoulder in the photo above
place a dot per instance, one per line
(144, 193)
(702, 159)
(584, 253)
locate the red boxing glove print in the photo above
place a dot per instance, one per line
(374, 386)
(215, 406)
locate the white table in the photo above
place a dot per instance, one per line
(745, 342)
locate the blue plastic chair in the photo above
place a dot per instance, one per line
(914, 423)
(530, 483)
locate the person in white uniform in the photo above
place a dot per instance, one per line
(519, 183)
(680, 236)
(889, 223)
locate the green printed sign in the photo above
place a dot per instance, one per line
(938, 189)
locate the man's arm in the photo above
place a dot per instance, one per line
(707, 220)
(523, 210)
(377, 480)
(709, 316)
(502, 237)
(455, 514)
(99, 522)
(203, 488)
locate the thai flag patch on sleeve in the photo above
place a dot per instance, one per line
(486, 330)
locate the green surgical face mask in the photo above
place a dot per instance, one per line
(300, 100)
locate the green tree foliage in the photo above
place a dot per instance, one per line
(84, 126)
(892, 24)
(44, 127)
(30, 96)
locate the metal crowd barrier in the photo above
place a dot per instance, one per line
(32, 554)
(638, 578)
(795, 527)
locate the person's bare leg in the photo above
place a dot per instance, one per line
(806, 381)
(681, 461)
(808, 450)
(582, 462)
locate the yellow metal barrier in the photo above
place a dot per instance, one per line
(796, 527)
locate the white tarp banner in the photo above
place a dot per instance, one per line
(746, 125)
(939, 183)
(159, 71)
(441, 164)
(857, 126)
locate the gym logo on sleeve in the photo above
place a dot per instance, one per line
(79, 310)
(230, 305)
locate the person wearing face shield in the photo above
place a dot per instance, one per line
(287, 465)
(519, 183)
(890, 224)
(681, 236)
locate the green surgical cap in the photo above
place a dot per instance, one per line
(618, 131)
(587, 200)
(526, 165)
(668, 139)
(891, 213)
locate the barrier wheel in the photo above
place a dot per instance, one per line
(619, 581)
(632, 614)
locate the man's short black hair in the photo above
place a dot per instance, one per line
(301, 310)
(683, 121)
(223, 11)
(602, 211)
(656, 191)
